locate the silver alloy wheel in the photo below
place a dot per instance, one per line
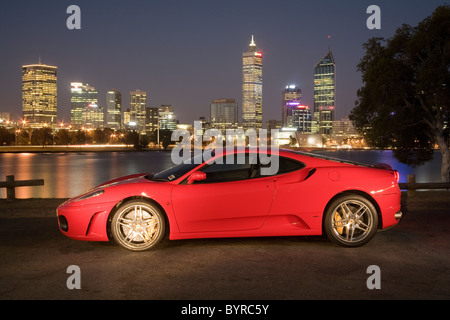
(137, 226)
(351, 221)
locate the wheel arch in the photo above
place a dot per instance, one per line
(357, 192)
(146, 199)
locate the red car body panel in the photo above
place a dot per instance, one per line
(235, 206)
(290, 204)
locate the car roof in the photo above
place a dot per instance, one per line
(300, 155)
(326, 158)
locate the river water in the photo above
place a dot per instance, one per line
(69, 174)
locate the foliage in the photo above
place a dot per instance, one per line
(42, 136)
(165, 136)
(6, 137)
(405, 98)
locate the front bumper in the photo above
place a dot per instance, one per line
(84, 222)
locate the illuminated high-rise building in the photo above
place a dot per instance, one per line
(138, 106)
(84, 109)
(93, 117)
(224, 114)
(167, 119)
(113, 116)
(294, 114)
(152, 118)
(126, 119)
(324, 93)
(39, 95)
(252, 88)
(290, 98)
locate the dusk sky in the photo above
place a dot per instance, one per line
(188, 52)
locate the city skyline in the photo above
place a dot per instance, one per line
(198, 50)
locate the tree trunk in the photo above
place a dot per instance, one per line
(436, 134)
(445, 166)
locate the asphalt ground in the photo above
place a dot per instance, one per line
(413, 260)
(232, 278)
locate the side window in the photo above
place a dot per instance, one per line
(227, 172)
(285, 165)
(288, 165)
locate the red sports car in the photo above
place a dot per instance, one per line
(228, 196)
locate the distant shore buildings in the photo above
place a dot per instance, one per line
(324, 93)
(85, 112)
(88, 110)
(252, 114)
(39, 95)
(224, 114)
(113, 112)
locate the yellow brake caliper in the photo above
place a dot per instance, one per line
(337, 219)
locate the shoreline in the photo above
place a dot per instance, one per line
(131, 148)
(71, 148)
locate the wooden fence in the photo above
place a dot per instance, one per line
(411, 185)
(10, 184)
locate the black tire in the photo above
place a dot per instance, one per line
(351, 221)
(138, 225)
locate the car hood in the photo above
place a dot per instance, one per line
(125, 179)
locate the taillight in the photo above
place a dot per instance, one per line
(396, 175)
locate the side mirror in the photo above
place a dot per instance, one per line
(196, 176)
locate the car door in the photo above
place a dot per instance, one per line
(227, 200)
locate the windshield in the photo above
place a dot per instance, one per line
(176, 171)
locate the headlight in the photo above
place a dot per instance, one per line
(90, 195)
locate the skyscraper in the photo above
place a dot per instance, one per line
(93, 117)
(290, 99)
(324, 93)
(224, 114)
(84, 109)
(252, 88)
(126, 119)
(113, 117)
(152, 120)
(39, 95)
(167, 118)
(294, 114)
(138, 106)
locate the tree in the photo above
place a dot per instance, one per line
(80, 137)
(405, 98)
(165, 136)
(63, 137)
(23, 137)
(100, 136)
(6, 136)
(132, 137)
(42, 136)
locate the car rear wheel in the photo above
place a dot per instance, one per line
(351, 221)
(138, 225)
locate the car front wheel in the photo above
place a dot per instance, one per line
(138, 225)
(351, 221)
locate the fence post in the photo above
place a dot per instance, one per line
(411, 182)
(10, 191)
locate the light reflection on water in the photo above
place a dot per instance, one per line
(69, 174)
